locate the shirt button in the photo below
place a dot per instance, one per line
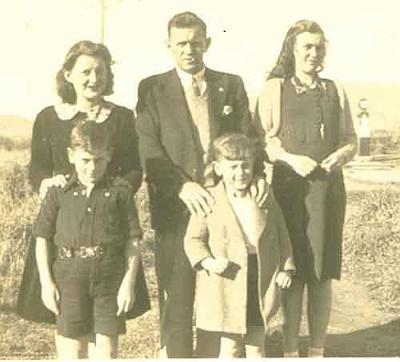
(76, 193)
(107, 194)
(89, 210)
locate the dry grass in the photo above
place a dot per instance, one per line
(371, 246)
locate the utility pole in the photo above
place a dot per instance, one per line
(102, 20)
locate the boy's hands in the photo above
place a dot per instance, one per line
(51, 297)
(215, 265)
(284, 279)
(126, 296)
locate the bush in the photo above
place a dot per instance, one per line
(372, 244)
(17, 209)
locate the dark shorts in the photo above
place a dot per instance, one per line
(88, 296)
(253, 313)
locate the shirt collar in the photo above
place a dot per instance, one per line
(67, 111)
(186, 78)
(74, 182)
(302, 88)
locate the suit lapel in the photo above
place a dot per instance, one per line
(175, 102)
(217, 85)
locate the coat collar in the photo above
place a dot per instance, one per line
(223, 209)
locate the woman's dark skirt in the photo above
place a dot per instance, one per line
(314, 209)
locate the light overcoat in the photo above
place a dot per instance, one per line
(221, 299)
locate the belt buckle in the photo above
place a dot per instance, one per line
(94, 252)
(65, 252)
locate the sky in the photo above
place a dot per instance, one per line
(364, 41)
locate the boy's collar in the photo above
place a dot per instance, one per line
(74, 181)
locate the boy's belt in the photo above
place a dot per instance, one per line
(88, 252)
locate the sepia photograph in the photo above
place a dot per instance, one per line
(199, 179)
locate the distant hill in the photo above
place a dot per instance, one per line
(13, 126)
(384, 103)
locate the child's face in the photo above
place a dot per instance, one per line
(90, 166)
(236, 174)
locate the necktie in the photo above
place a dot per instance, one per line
(196, 88)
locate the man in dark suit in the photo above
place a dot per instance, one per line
(180, 112)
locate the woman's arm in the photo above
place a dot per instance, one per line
(41, 164)
(347, 136)
(269, 118)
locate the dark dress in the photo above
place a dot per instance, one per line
(313, 206)
(50, 138)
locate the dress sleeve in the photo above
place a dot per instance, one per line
(268, 118)
(41, 164)
(45, 223)
(348, 139)
(130, 216)
(129, 151)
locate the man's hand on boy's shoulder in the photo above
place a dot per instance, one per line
(260, 190)
(215, 265)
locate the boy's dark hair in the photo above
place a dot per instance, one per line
(186, 19)
(230, 146)
(90, 136)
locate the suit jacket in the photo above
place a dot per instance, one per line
(221, 299)
(169, 145)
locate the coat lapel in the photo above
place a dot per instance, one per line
(224, 211)
(217, 85)
(175, 102)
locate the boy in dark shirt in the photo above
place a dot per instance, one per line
(95, 228)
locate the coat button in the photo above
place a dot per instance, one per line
(89, 210)
(76, 193)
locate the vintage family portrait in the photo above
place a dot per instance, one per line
(199, 179)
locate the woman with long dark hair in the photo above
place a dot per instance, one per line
(309, 136)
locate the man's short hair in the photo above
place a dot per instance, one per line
(186, 20)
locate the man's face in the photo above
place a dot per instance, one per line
(188, 46)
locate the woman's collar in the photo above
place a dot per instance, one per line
(67, 111)
(302, 88)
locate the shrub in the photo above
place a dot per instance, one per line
(17, 209)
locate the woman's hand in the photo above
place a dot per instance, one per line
(332, 162)
(58, 181)
(126, 295)
(215, 265)
(50, 296)
(284, 279)
(302, 165)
